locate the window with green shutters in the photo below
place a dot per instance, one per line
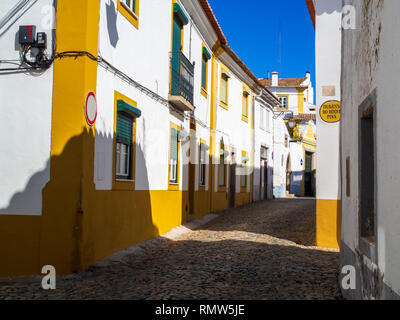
(124, 146)
(173, 156)
(204, 73)
(131, 4)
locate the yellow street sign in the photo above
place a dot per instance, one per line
(330, 111)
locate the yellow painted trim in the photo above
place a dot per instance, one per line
(120, 184)
(300, 99)
(173, 186)
(328, 223)
(224, 70)
(213, 124)
(132, 17)
(287, 99)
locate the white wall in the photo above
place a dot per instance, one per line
(25, 117)
(328, 65)
(263, 138)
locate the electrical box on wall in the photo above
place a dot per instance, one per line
(27, 35)
(41, 40)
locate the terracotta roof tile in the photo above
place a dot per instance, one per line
(288, 82)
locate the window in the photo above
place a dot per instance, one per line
(124, 147)
(245, 105)
(173, 156)
(202, 164)
(267, 120)
(262, 119)
(204, 71)
(224, 89)
(131, 4)
(130, 10)
(221, 167)
(367, 175)
(284, 102)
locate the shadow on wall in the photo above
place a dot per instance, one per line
(112, 15)
(328, 6)
(79, 225)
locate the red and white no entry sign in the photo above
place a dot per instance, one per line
(91, 108)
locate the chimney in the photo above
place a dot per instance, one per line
(308, 74)
(274, 79)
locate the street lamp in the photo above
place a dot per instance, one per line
(292, 124)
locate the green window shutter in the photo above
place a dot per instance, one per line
(174, 144)
(204, 73)
(180, 15)
(124, 128)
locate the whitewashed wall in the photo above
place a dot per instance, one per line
(25, 117)
(328, 65)
(263, 138)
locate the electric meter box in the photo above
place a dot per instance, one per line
(27, 35)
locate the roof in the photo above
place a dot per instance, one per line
(224, 44)
(305, 117)
(288, 82)
(311, 10)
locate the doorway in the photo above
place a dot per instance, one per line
(309, 175)
(232, 181)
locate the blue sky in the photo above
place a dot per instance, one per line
(252, 28)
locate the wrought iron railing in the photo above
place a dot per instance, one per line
(182, 74)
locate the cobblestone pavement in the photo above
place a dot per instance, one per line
(260, 251)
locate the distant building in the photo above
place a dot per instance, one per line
(296, 96)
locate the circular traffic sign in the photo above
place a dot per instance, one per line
(91, 108)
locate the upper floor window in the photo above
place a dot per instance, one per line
(284, 102)
(130, 10)
(224, 88)
(131, 4)
(245, 105)
(204, 71)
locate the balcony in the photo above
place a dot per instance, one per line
(181, 84)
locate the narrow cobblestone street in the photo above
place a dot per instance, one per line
(260, 251)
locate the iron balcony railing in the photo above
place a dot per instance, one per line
(182, 74)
